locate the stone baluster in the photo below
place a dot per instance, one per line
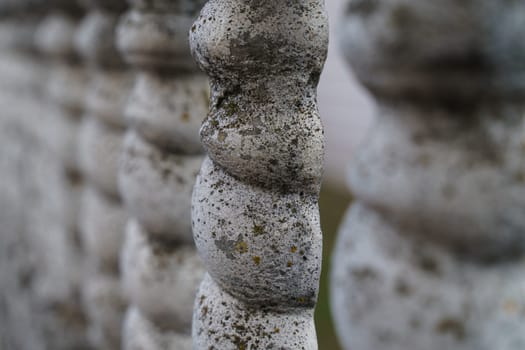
(42, 307)
(103, 218)
(431, 254)
(255, 212)
(65, 90)
(162, 156)
(55, 124)
(20, 258)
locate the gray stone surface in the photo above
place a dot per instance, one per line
(40, 305)
(161, 158)
(100, 142)
(255, 214)
(431, 256)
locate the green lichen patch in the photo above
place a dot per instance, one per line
(258, 230)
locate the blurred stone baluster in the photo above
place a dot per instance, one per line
(255, 213)
(103, 218)
(65, 89)
(58, 242)
(162, 156)
(19, 258)
(42, 307)
(431, 255)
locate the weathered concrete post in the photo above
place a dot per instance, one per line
(103, 218)
(162, 156)
(255, 213)
(431, 255)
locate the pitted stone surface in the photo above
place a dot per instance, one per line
(161, 158)
(403, 293)
(156, 39)
(255, 213)
(143, 334)
(171, 177)
(430, 257)
(405, 46)
(224, 322)
(458, 169)
(242, 229)
(157, 274)
(179, 108)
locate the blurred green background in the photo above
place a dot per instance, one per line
(333, 203)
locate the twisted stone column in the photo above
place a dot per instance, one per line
(431, 255)
(101, 136)
(162, 156)
(255, 213)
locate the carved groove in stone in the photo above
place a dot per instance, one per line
(161, 158)
(431, 255)
(255, 213)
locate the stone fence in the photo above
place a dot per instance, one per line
(161, 164)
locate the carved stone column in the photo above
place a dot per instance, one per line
(255, 213)
(162, 156)
(103, 217)
(431, 255)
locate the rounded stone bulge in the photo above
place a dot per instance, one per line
(157, 187)
(229, 323)
(263, 247)
(455, 179)
(154, 271)
(267, 38)
(273, 147)
(168, 112)
(95, 39)
(155, 39)
(140, 333)
(402, 45)
(386, 285)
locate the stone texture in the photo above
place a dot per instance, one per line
(40, 307)
(55, 41)
(255, 214)
(103, 218)
(161, 158)
(430, 256)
